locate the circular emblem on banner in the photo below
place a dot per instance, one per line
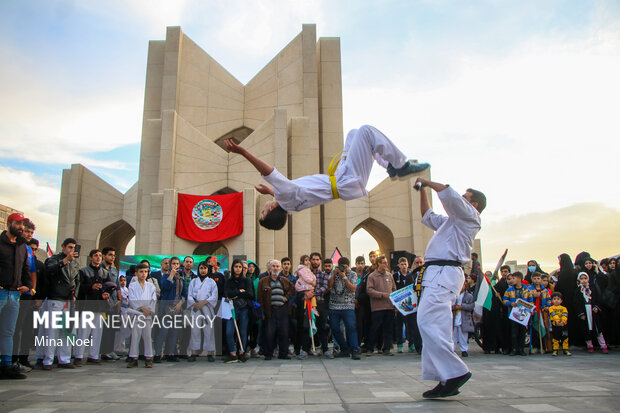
(207, 214)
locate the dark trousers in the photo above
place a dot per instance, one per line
(301, 333)
(505, 331)
(399, 322)
(322, 326)
(492, 327)
(363, 322)
(276, 326)
(517, 335)
(413, 332)
(382, 319)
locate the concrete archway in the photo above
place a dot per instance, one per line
(381, 233)
(211, 248)
(116, 235)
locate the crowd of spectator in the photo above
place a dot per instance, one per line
(314, 307)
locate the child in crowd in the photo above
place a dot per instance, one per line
(463, 319)
(124, 331)
(546, 283)
(558, 314)
(202, 299)
(512, 294)
(306, 281)
(142, 299)
(542, 300)
(587, 304)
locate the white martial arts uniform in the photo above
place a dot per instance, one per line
(460, 336)
(63, 351)
(142, 297)
(201, 291)
(453, 241)
(124, 331)
(362, 146)
(84, 332)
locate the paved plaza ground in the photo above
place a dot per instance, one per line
(581, 383)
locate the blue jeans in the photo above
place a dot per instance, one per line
(348, 318)
(242, 323)
(9, 310)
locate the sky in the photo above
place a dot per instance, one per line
(519, 99)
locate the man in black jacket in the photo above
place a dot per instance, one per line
(14, 280)
(62, 271)
(92, 297)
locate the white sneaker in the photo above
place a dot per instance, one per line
(329, 354)
(302, 355)
(113, 356)
(22, 368)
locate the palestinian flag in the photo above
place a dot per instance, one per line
(311, 318)
(49, 250)
(485, 296)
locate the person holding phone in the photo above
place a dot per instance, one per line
(342, 287)
(63, 272)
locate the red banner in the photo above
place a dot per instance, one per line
(209, 218)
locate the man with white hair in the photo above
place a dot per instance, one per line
(273, 294)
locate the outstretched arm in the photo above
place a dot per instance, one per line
(424, 202)
(261, 166)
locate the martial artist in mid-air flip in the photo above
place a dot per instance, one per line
(346, 180)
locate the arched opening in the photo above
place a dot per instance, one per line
(362, 243)
(381, 234)
(238, 135)
(211, 248)
(116, 235)
(224, 191)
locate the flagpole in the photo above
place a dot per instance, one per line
(499, 265)
(234, 314)
(238, 335)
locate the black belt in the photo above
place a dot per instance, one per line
(443, 263)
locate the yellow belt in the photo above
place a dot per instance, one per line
(331, 171)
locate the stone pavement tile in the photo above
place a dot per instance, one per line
(212, 397)
(391, 395)
(305, 408)
(536, 407)
(5, 408)
(367, 408)
(244, 409)
(165, 408)
(183, 395)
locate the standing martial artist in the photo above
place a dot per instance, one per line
(202, 299)
(442, 279)
(142, 299)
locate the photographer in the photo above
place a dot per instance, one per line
(342, 285)
(63, 281)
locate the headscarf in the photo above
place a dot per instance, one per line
(585, 291)
(528, 275)
(581, 258)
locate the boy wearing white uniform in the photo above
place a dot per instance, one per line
(346, 179)
(442, 279)
(202, 299)
(142, 299)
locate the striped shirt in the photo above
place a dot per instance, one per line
(277, 293)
